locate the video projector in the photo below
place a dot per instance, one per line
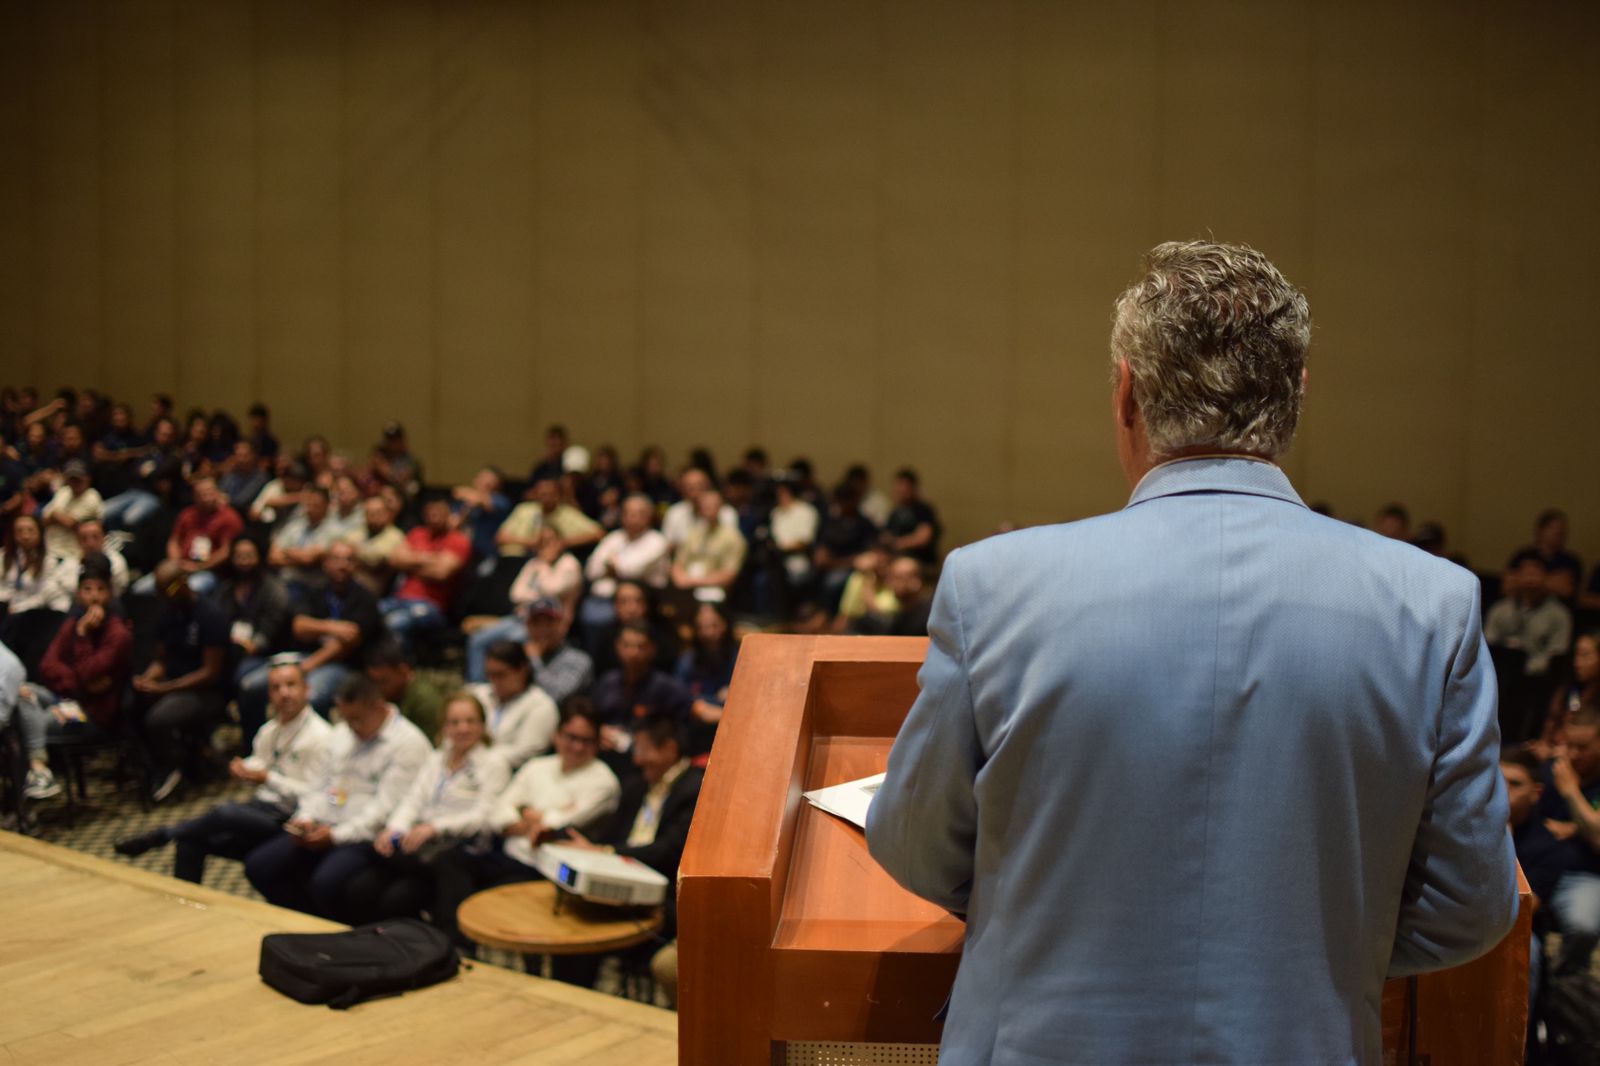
(600, 876)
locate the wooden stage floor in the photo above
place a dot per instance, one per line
(104, 965)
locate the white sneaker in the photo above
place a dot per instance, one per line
(41, 784)
(167, 787)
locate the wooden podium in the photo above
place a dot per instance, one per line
(790, 933)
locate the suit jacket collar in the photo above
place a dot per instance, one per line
(1216, 473)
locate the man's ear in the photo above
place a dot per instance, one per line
(1125, 406)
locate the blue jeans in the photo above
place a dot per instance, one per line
(508, 628)
(1576, 904)
(39, 727)
(408, 619)
(131, 509)
(322, 684)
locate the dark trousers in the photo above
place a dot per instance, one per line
(175, 723)
(458, 873)
(289, 875)
(399, 886)
(231, 830)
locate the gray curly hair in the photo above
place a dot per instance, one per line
(1215, 339)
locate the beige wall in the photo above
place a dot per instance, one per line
(883, 231)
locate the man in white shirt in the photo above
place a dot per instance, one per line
(681, 516)
(287, 758)
(635, 552)
(91, 533)
(372, 756)
(75, 501)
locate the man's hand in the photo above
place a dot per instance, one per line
(316, 837)
(1565, 777)
(706, 711)
(149, 686)
(578, 840)
(613, 738)
(92, 619)
(384, 845)
(1561, 830)
(240, 770)
(417, 838)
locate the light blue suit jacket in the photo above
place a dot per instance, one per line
(1201, 773)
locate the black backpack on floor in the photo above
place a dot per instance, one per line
(342, 969)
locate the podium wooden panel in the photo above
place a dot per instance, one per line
(789, 931)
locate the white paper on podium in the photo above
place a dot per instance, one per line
(849, 800)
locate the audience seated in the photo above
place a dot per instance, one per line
(183, 691)
(32, 594)
(417, 697)
(449, 803)
(651, 822)
(519, 533)
(370, 835)
(633, 605)
(705, 670)
(1542, 855)
(75, 501)
(912, 528)
(280, 497)
(1581, 687)
(551, 574)
(257, 608)
(680, 518)
(375, 541)
(709, 559)
(635, 690)
(91, 534)
(844, 535)
(522, 716)
(373, 755)
(286, 761)
(83, 677)
(330, 626)
(570, 789)
(904, 611)
(1568, 806)
(432, 558)
(636, 551)
(1529, 618)
(243, 477)
(300, 543)
(479, 509)
(1562, 569)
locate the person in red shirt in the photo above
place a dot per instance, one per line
(432, 559)
(203, 534)
(84, 673)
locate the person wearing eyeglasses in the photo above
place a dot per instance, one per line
(552, 794)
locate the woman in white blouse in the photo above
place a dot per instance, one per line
(571, 789)
(449, 802)
(522, 716)
(552, 573)
(34, 599)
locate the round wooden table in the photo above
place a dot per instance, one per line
(536, 918)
